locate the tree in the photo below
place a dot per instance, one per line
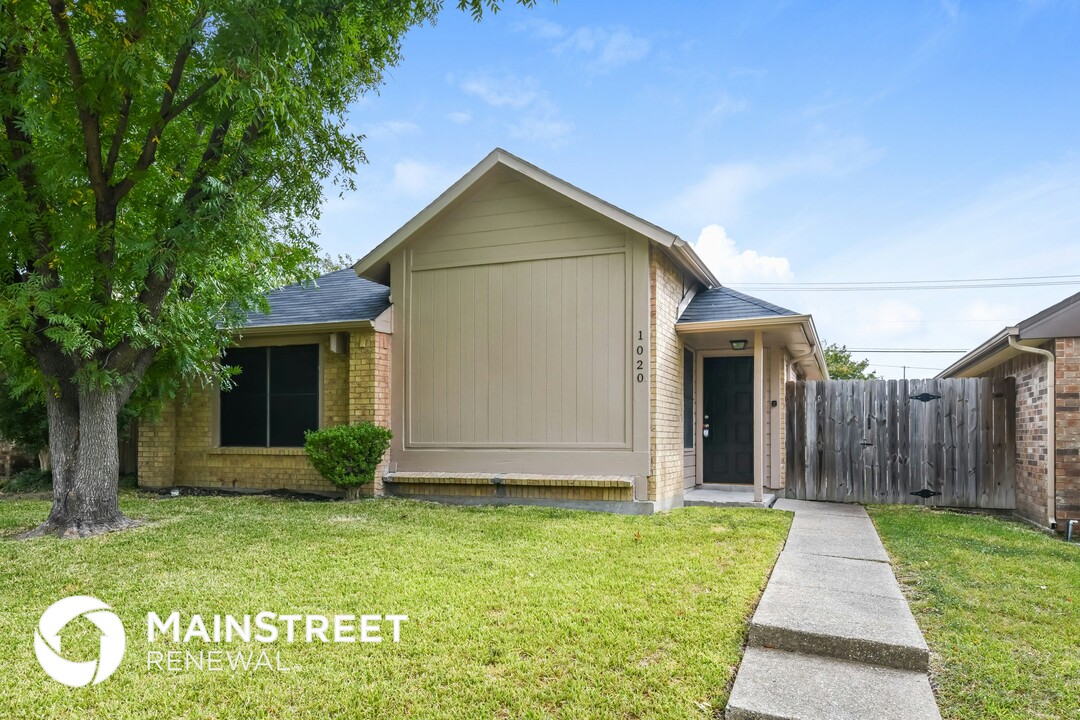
(161, 168)
(327, 263)
(844, 367)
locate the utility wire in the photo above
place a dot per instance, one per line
(909, 282)
(904, 350)
(886, 285)
(880, 287)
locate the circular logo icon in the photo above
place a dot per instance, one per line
(47, 641)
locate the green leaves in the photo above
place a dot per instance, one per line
(161, 168)
(347, 455)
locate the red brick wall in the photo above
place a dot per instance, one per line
(1029, 370)
(1067, 427)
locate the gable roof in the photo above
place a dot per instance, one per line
(1059, 320)
(722, 303)
(336, 297)
(375, 265)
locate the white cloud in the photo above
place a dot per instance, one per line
(539, 118)
(545, 128)
(733, 266)
(412, 177)
(391, 129)
(542, 29)
(721, 194)
(459, 118)
(609, 48)
(507, 91)
(726, 106)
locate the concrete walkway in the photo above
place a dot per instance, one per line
(726, 495)
(833, 636)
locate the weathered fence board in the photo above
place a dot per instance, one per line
(888, 440)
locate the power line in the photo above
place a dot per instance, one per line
(908, 322)
(902, 367)
(904, 350)
(908, 282)
(879, 287)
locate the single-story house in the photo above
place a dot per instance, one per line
(526, 342)
(1044, 346)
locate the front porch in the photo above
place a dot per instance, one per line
(717, 495)
(741, 351)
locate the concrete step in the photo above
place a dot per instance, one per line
(778, 685)
(813, 507)
(857, 626)
(826, 572)
(836, 536)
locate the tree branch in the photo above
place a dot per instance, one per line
(118, 136)
(87, 117)
(166, 113)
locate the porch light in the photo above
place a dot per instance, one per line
(738, 344)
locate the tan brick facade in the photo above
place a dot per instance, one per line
(1067, 428)
(181, 447)
(1031, 430)
(665, 375)
(1030, 477)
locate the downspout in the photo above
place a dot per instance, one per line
(1051, 434)
(796, 361)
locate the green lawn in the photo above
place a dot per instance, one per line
(999, 604)
(513, 612)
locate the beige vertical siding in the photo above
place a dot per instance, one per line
(516, 313)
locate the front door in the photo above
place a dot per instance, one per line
(727, 454)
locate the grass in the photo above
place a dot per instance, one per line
(513, 612)
(999, 605)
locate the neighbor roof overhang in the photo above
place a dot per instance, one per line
(376, 264)
(1059, 320)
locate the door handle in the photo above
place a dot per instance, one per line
(705, 427)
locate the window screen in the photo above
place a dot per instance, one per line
(688, 399)
(275, 397)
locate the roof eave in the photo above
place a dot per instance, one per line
(741, 323)
(981, 357)
(372, 265)
(693, 262)
(305, 327)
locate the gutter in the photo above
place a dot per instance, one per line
(1051, 435)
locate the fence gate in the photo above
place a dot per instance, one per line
(937, 442)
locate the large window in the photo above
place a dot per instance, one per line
(275, 397)
(688, 399)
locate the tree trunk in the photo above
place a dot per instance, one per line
(85, 464)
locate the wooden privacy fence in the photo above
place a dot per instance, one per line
(937, 442)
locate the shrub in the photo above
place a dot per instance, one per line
(347, 455)
(29, 480)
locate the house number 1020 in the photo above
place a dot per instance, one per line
(639, 356)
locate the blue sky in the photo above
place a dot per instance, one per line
(792, 141)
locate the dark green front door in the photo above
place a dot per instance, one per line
(727, 454)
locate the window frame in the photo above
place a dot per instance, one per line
(254, 343)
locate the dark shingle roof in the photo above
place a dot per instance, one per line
(337, 297)
(723, 303)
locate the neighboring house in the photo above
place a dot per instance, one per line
(1045, 345)
(526, 342)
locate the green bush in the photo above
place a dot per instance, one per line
(29, 480)
(347, 455)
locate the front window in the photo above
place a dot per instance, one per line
(275, 397)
